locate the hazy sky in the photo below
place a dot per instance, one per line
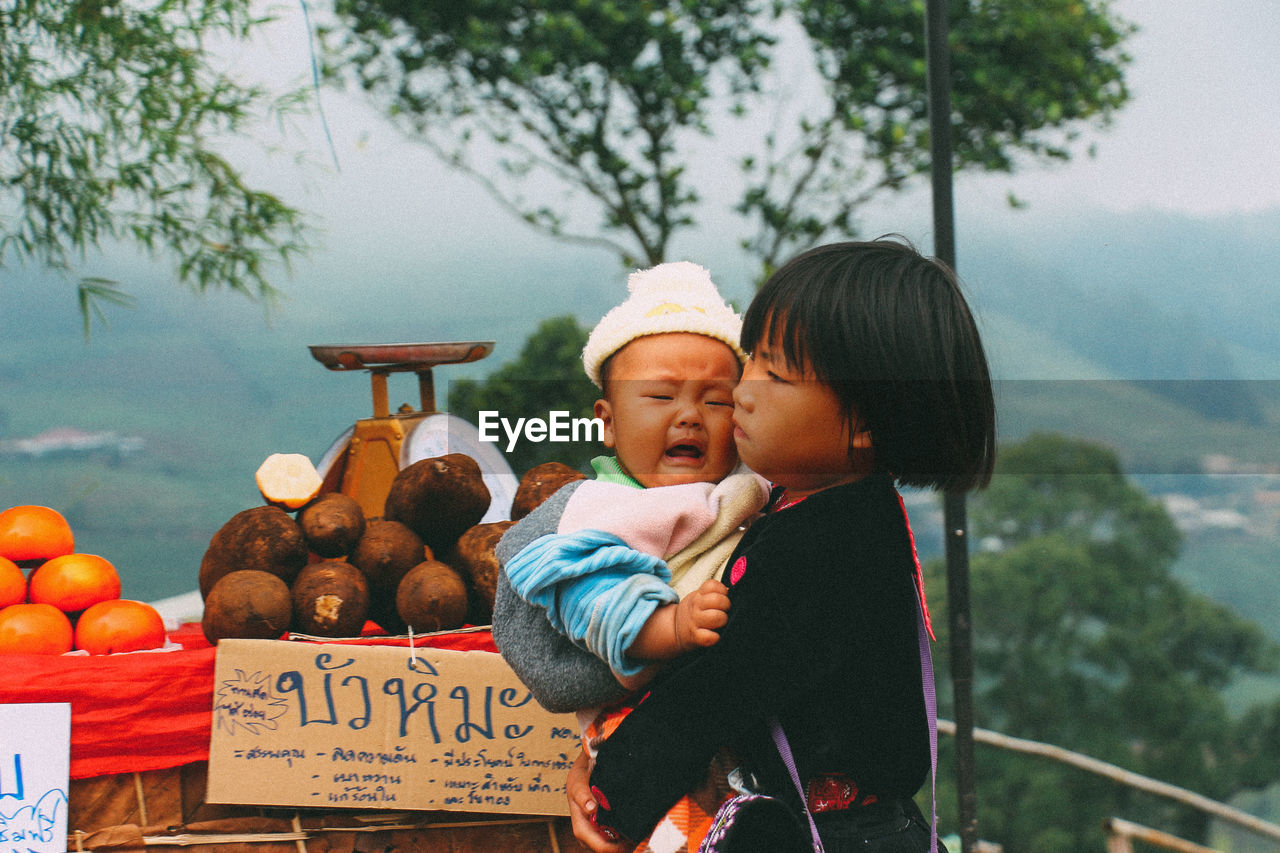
(1200, 134)
(1199, 137)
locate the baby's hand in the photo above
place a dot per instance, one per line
(701, 614)
(682, 626)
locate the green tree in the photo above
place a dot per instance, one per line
(599, 102)
(1084, 638)
(109, 117)
(546, 376)
(593, 97)
(1026, 77)
(556, 106)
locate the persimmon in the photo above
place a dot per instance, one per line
(13, 583)
(31, 533)
(73, 582)
(119, 625)
(34, 629)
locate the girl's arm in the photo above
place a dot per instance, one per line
(804, 599)
(706, 700)
(582, 806)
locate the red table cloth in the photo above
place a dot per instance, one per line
(148, 710)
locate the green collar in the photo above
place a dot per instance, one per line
(608, 470)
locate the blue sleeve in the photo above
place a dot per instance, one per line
(561, 676)
(596, 590)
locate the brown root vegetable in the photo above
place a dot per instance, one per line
(332, 524)
(383, 613)
(539, 483)
(249, 604)
(330, 599)
(432, 597)
(438, 498)
(288, 480)
(264, 538)
(473, 556)
(386, 552)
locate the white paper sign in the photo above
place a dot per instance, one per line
(35, 756)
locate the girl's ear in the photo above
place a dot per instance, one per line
(861, 447)
(604, 412)
(861, 437)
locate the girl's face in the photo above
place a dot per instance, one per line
(791, 430)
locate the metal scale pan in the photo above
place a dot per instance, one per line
(364, 460)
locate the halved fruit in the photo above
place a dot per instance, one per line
(288, 480)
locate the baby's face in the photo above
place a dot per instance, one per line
(668, 409)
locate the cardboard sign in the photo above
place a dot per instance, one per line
(35, 754)
(331, 725)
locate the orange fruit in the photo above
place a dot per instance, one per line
(13, 583)
(73, 582)
(34, 533)
(34, 629)
(119, 625)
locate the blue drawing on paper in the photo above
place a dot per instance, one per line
(34, 828)
(247, 701)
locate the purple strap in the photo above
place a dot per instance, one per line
(931, 708)
(780, 738)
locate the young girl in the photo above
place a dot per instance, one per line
(865, 369)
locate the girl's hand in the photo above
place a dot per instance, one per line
(582, 806)
(701, 614)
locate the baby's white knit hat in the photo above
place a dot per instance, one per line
(674, 297)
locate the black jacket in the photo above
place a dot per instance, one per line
(822, 633)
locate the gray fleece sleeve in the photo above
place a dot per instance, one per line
(561, 676)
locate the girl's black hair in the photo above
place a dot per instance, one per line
(890, 332)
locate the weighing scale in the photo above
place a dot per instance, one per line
(364, 460)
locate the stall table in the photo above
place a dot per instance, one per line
(140, 731)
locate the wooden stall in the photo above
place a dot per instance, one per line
(142, 727)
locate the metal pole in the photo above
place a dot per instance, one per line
(954, 515)
(961, 633)
(938, 58)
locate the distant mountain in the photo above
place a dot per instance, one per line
(1149, 296)
(211, 386)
